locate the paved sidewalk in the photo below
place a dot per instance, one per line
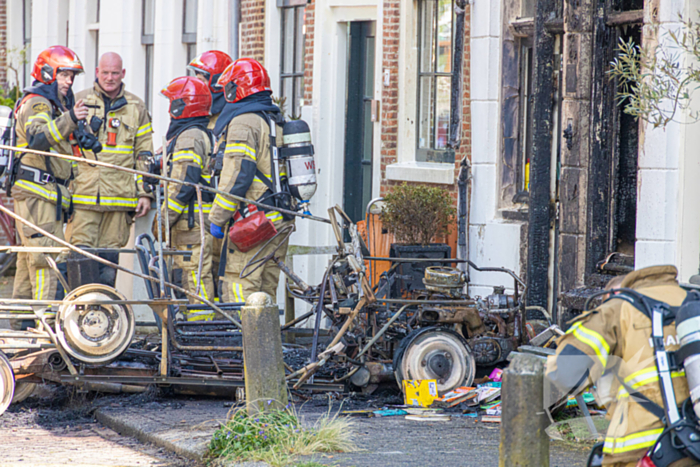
(185, 427)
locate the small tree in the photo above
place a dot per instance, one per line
(416, 214)
(655, 82)
(15, 58)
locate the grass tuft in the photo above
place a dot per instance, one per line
(277, 437)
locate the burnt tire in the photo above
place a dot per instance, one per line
(436, 353)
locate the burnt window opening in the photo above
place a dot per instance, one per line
(624, 189)
(627, 5)
(527, 53)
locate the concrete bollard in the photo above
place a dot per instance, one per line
(265, 386)
(524, 442)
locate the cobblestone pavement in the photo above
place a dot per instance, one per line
(56, 430)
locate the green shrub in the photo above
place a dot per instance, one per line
(416, 214)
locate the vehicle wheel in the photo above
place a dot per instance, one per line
(435, 353)
(95, 334)
(7, 383)
(23, 391)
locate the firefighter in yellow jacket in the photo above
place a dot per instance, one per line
(45, 119)
(105, 200)
(615, 339)
(244, 125)
(189, 149)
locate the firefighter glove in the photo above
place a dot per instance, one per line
(216, 231)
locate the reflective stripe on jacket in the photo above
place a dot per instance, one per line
(47, 128)
(247, 153)
(104, 189)
(615, 339)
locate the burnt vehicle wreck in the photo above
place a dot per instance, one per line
(363, 334)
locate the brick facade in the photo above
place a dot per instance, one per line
(3, 43)
(390, 104)
(309, 22)
(252, 29)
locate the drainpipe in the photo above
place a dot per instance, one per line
(540, 165)
(235, 19)
(463, 180)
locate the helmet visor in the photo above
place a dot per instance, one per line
(177, 106)
(230, 91)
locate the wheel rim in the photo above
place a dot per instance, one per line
(439, 355)
(95, 334)
(7, 383)
(23, 391)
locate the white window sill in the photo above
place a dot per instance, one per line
(427, 172)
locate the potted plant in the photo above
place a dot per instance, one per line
(416, 215)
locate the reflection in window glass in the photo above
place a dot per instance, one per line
(292, 60)
(436, 33)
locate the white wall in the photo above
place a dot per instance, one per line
(668, 217)
(492, 242)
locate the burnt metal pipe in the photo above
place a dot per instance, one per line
(109, 263)
(166, 179)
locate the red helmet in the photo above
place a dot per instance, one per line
(242, 78)
(54, 59)
(189, 97)
(211, 64)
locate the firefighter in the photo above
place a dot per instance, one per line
(45, 118)
(106, 200)
(615, 339)
(208, 67)
(189, 148)
(245, 127)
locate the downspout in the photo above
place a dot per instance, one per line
(235, 18)
(540, 164)
(463, 181)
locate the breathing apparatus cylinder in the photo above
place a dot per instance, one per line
(6, 136)
(298, 154)
(688, 331)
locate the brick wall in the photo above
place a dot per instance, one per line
(309, 18)
(390, 104)
(3, 42)
(7, 202)
(253, 29)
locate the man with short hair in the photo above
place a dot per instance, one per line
(106, 200)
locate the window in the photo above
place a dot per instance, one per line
(526, 103)
(189, 28)
(292, 58)
(27, 41)
(147, 39)
(435, 37)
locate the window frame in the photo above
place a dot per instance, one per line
(26, 40)
(295, 74)
(189, 37)
(431, 154)
(148, 40)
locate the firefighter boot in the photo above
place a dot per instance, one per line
(108, 275)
